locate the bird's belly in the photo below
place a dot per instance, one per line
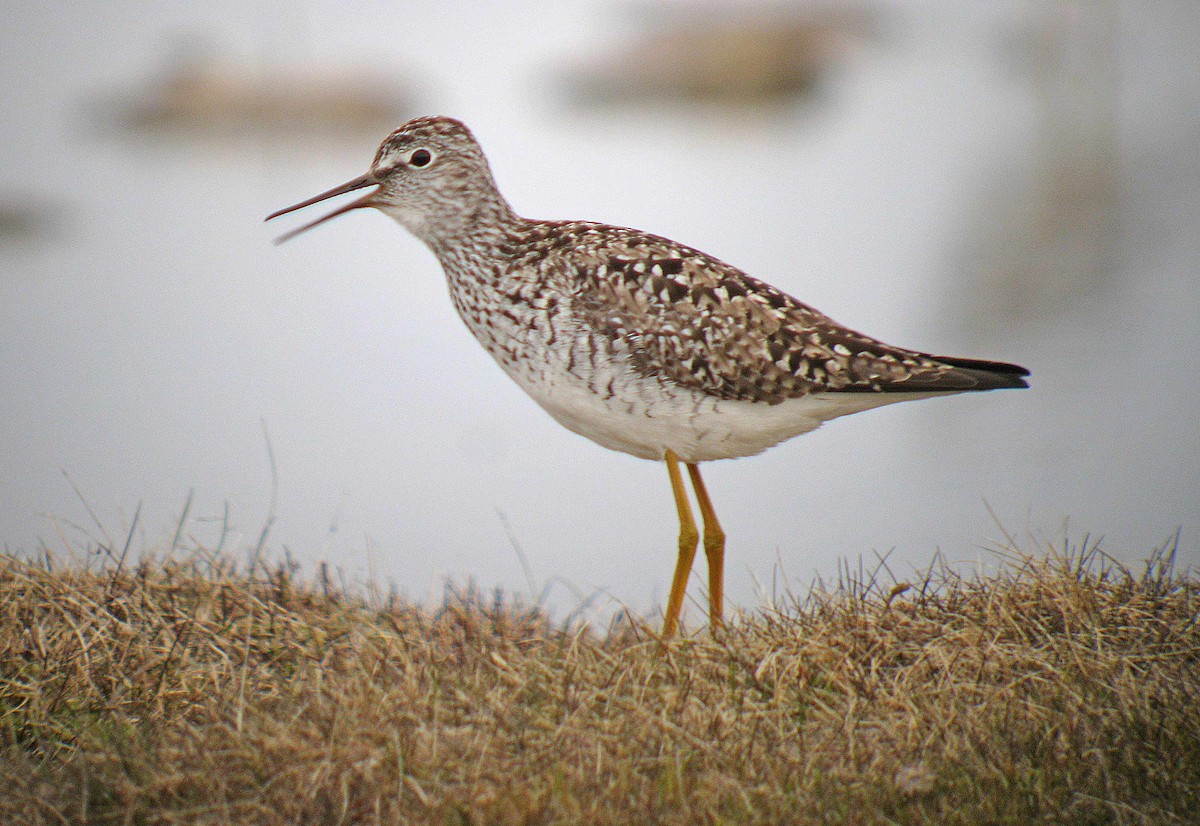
(646, 417)
(696, 428)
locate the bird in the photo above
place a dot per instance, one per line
(641, 344)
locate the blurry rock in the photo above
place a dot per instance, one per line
(745, 58)
(203, 94)
(26, 217)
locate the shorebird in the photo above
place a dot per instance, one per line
(639, 343)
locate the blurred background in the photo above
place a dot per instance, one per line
(1012, 180)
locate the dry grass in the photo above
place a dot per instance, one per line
(1065, 689)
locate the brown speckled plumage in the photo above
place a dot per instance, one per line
(707, 326)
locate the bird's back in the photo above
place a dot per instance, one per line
(706, 325)
(610, 328)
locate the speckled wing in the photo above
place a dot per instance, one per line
(704, 325)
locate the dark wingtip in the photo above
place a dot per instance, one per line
(991, 375)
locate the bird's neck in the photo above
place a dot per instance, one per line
(452, 230)
(471, 238)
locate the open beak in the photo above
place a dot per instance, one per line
(349, 186)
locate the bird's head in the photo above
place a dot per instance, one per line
(430, 175)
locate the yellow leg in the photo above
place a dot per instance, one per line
(688, 537)
(714, 549)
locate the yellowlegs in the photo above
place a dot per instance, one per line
(639, 343)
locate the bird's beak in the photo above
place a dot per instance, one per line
(349, 186)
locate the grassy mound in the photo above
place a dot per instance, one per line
(1062, 689)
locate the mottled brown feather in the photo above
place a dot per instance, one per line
(707, 326)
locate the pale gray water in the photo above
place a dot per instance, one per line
(151, 330)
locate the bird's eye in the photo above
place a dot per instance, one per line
(420, 157)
